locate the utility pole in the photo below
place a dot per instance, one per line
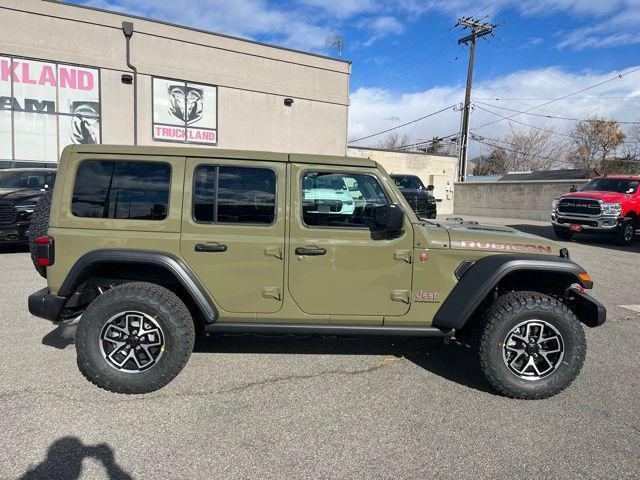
(478, 30)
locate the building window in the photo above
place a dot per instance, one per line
(344, 200)
(185, 112)
(122, 190)
(234, 195)
(45, 106)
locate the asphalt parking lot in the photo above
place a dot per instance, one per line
(289, 407)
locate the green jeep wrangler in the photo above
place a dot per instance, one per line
(151, 246)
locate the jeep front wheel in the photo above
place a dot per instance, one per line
(134, 338)
(532, 345)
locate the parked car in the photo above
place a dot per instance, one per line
(150, 246)
(20, 191)
(608, 205)
(419, 197)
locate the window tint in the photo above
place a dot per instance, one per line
(123, 190)
(341, 200)
(234, 195)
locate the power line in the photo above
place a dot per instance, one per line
(499, 99)
(552, 116)
(522, 123)
(403, 125)
(620, 75)
(553, 132)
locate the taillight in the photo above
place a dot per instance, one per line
(45, 251)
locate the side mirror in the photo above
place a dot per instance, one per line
(391, 217)
(573, 188)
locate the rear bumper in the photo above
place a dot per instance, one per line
(46, 305)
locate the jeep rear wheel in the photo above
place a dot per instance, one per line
(134, 338)
(532, 345)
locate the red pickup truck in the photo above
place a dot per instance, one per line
(606, 204)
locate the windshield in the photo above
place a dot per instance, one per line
(31, 180)
(618, 185)
(408, 182)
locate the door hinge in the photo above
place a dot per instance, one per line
(272, 292)
(403, 296)
(404, 255)
(274, 252)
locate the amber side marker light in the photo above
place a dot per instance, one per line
(585, 277)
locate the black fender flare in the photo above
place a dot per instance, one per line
(479, 279)
(174, 265)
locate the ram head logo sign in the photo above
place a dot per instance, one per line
(85, 122)
(185, 103)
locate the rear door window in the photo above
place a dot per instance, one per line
(127, 190)
(225, 194)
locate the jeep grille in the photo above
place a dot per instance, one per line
(419, 204)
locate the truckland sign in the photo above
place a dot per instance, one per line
(45, 106)
(185, 112)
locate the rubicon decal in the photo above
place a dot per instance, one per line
(511, 247)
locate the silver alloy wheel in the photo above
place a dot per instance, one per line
(533, 350)
(132, 342)
(629, 232)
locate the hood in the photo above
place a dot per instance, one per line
(415, 192)
(596, 195)
(15, 195)
(495, 238)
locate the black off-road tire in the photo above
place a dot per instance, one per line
(159, 303)
(39, 226)
(503, 316)
(563, 234)
(626, 234)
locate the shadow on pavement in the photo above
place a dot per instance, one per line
(62, 336)
(454, 362)
(11, 248)
(591, 239)
(64, 461)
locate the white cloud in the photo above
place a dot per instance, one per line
(243, 18)
(380, 27)
(374, 109)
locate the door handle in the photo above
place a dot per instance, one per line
(210, 248)
(310, 251)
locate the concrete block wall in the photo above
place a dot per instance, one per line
(530, 200)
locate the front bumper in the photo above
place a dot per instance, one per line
(45, 305)
(589, 310)
(14, 233)
(589, 223)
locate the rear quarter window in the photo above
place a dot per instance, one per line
(127, 190)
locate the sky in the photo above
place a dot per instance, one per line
(406, 62)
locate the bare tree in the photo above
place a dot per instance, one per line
(535, 149)
(596, 142)
(496, 163)
(394, 141)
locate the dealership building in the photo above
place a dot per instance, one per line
(71, 74)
